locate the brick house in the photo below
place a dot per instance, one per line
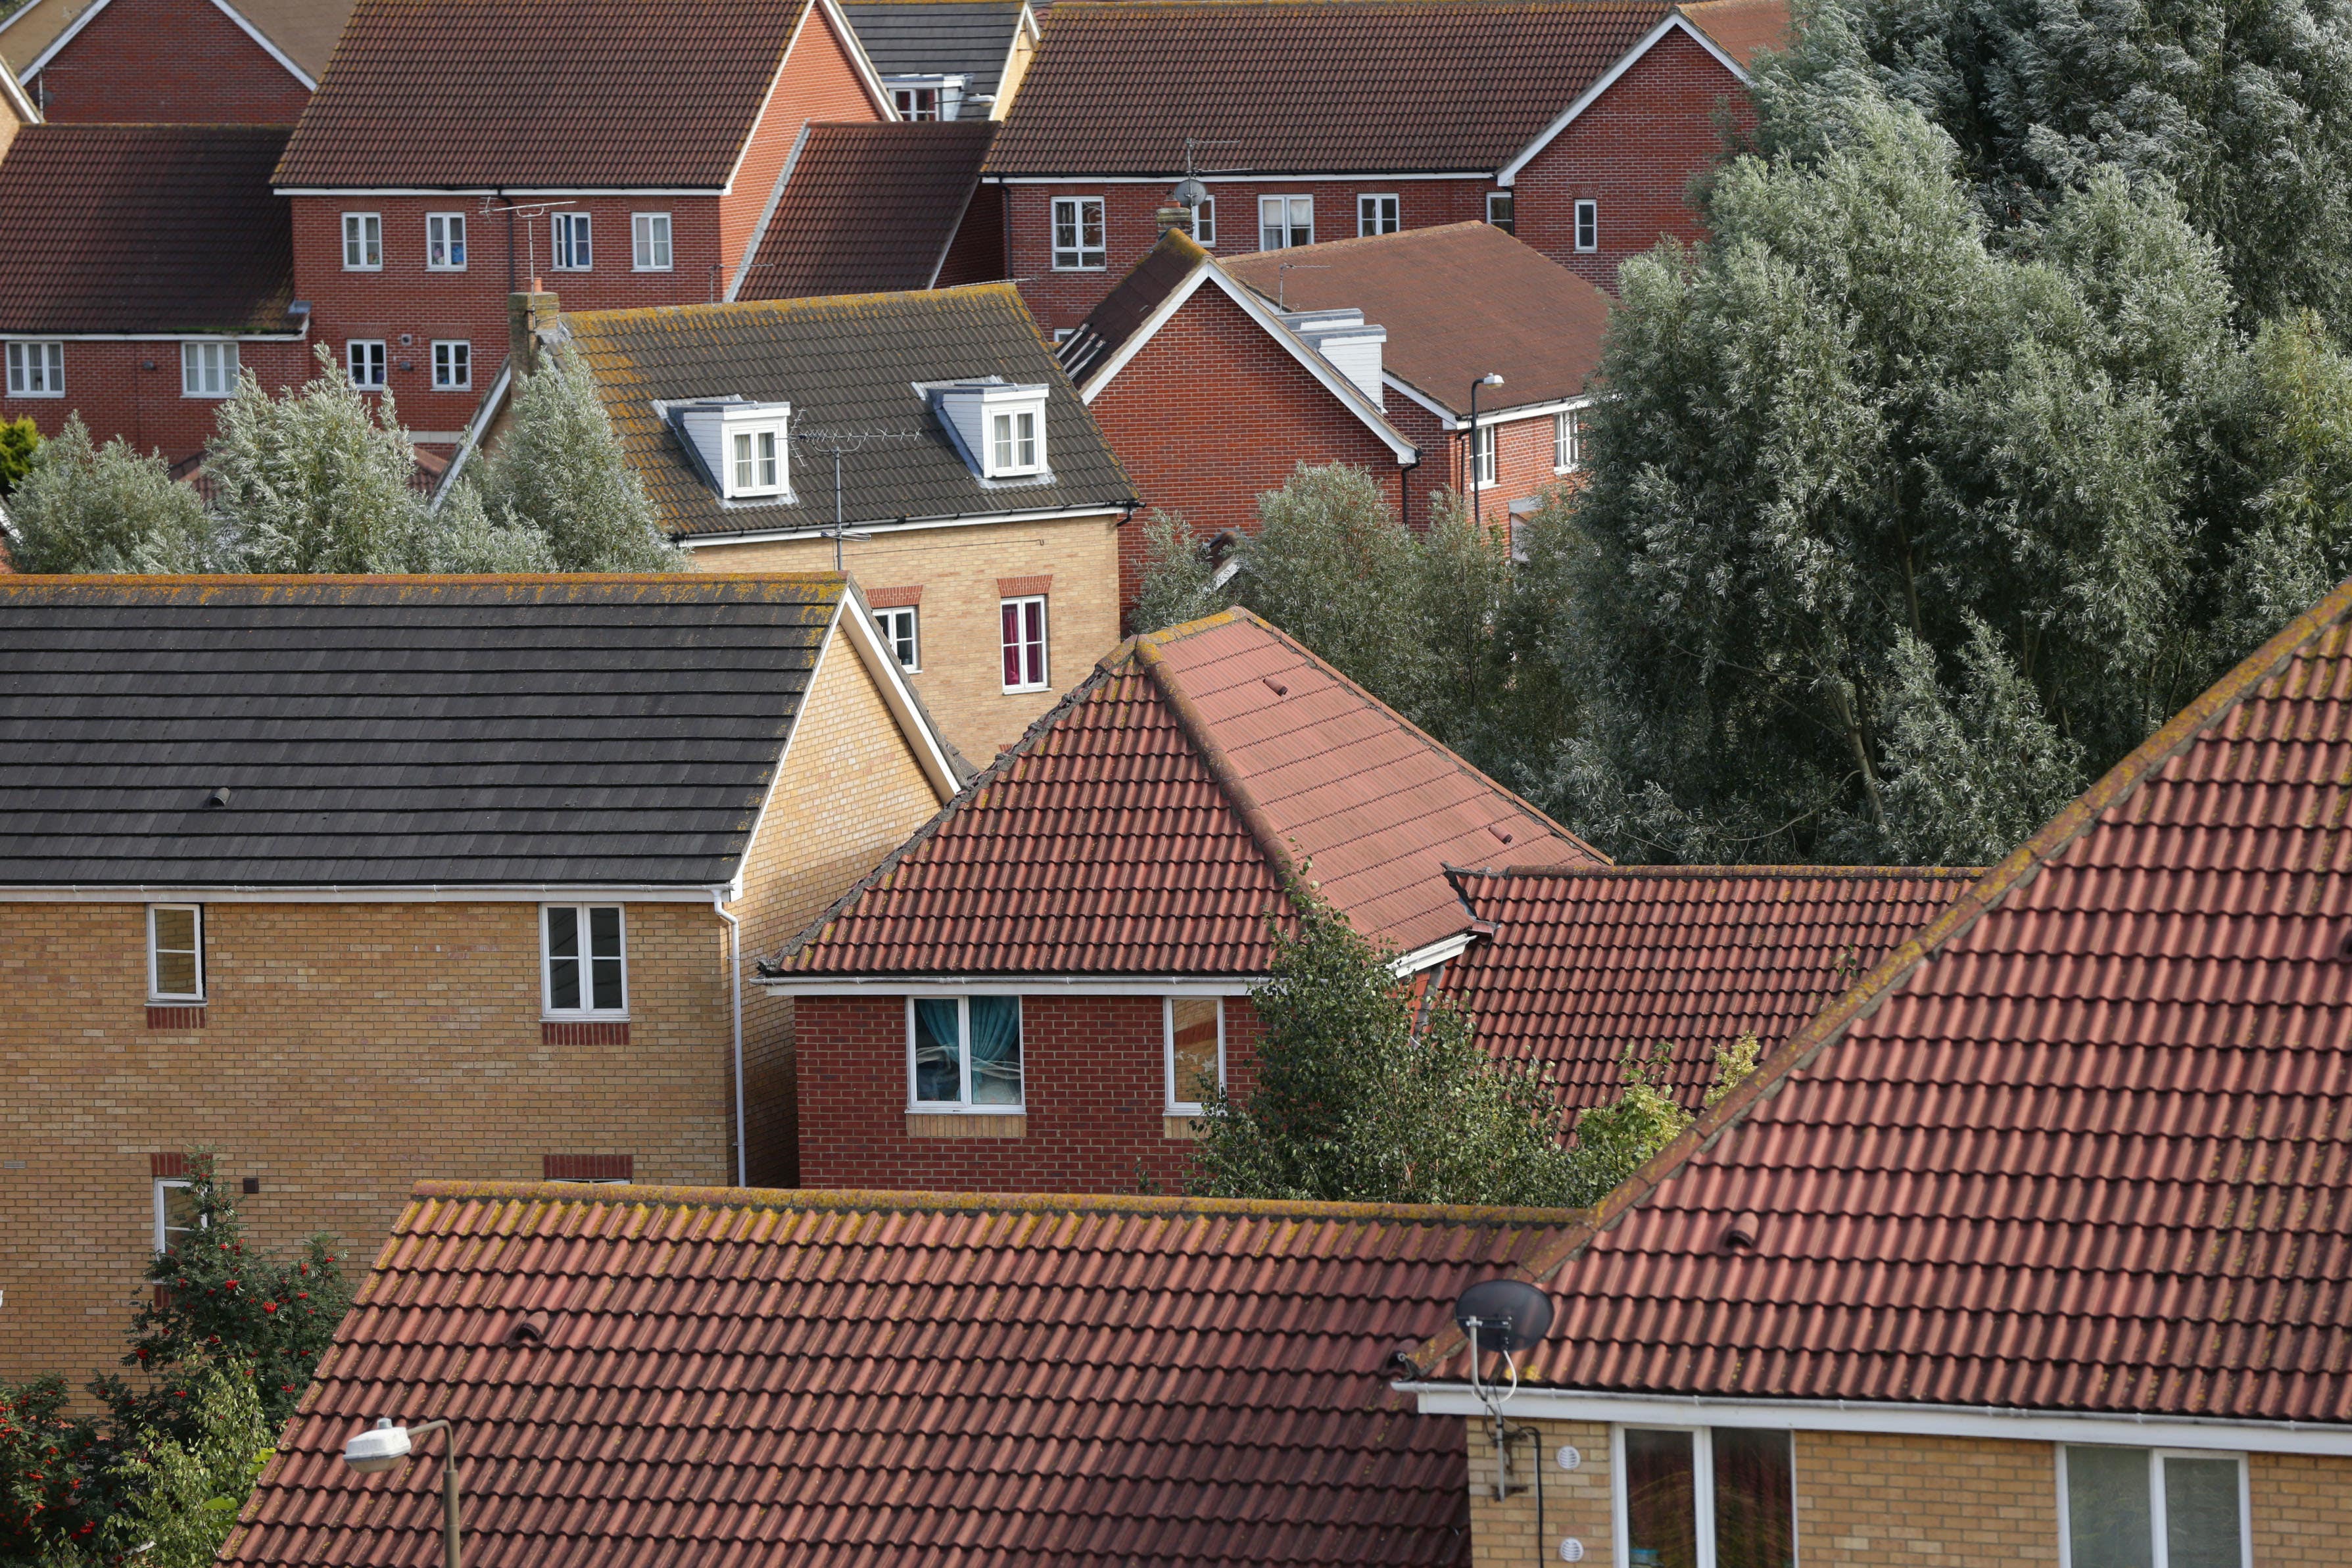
(877, 208)
(362, 879)
(977, 500)
(1579, 126)
(1024, 995)
(948, 59)
(1394, 329)
(2030, 1248)
(207, 62)
(141, 267)
(459, 149)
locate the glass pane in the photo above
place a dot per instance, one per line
(179, 1214)
(996, 1050)
(1661, 1500)
(1194, 1055)
(176, 929)
(175, 974)
(938, 1064)
(1011, 630)
(607, 972)
(604, 932)
(2107, 1521)
(2201, 1529)
(1754, 1500)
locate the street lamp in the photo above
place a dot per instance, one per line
(379, 1447)
(1489, 379)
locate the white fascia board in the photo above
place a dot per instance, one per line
(1322, 370)
(1897, 1420)
(476, 429)
(931, 751)
(1674, 20)
(1175, 174)
(767, 212)
(14, 90)
(16, 337)
(615, 190)
(965, 985)
(1405, 966)
(343, 893)
(1449, 421)
(310, 83)
(972, 520)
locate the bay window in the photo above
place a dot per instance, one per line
(963, 1053)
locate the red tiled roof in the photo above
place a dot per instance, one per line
(144, 228)
(1338, 85)
(1459, 301)
(868, 209)
(846, 1378)
(1742, 28)
(2082, 1145)
(1135, 829)
(1583, 964)
(540, 94)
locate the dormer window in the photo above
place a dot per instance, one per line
(999, 425)
(742, 446)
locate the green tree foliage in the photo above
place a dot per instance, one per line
(560, 474)
(159, 1476)
(2243, 107)
(81, 507)
(19, 439)
(1616, 1140)
(1179, 582)
(1894, 537)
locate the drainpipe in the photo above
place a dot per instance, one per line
(735, 979)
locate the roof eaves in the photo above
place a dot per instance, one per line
(1875, 989)
(18, 98)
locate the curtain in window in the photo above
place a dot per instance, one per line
(939, 1060)
(996, 1050)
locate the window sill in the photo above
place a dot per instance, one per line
(1098, 267)
(175, 1015)
(349, 267)
(1018, 691)
(207, 397)
(459, 268)
(966, 1125)
(35, 394)
(653, 269)
(1188, 1128)
(583, 1031)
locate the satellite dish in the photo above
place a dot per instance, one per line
(1502, 1315)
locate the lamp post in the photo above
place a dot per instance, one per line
(1489, 379)
(383, 1445)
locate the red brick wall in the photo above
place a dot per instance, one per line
(142, 61)
(976, 254)
(472, 305)
(107, 384)
(819, 82)
(1094, 1078)
(1060, 299)
(1634, 152)
(1212, 414)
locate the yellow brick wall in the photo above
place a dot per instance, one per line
(348, 1050)
(850, 792)
(1871, 1501)
(961, 678)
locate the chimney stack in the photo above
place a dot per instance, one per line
(530, 318)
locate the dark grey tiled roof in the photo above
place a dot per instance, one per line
(569, 730)
(938, 37)
(845, 363)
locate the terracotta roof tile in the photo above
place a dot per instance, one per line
(144, 228)
(863, 1378)
(2083, 1143)
(868, 209)
(1742, 28)
(1338, 85)
(1111, 839)
(571, 94)
(1583, 964)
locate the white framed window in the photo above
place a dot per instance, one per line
(1588, 226)
(445, 242)
(573, 251)
(1502, 210)
(1022, 623)
(37, 370)
(915, 103)
(364, 358)
(207, 369)
(1078, 233)
(901, 635)
(363, 242)
(1376, 216)
(1482, 456)
(176, 1211)
(650, 241)
(2152, 1508)
(1568, 441)
(963, 1053)
(1196, 1052)
(585, 966)
(1012, 440)
(175, 954)
(453, 364)
(1708, 1497)
(1284, 221)
(752, 459)
(1204, 223)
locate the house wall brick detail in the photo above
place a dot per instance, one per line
(132, 390)
(819, 82)
(180, 61)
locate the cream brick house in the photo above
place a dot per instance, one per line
(357, 881)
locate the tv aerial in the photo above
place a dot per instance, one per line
(1502, 1317)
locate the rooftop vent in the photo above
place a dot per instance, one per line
(218, 797)
(528, 1329)
(1741, 1235)
(1351, 345)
